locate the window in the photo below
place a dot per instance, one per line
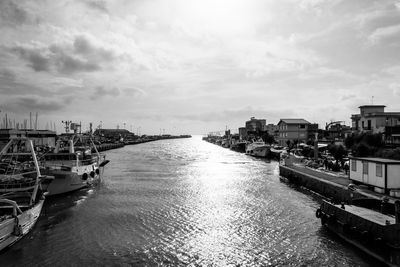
(365, 167)
(302, 126)
(362, 124)
(353, 165)
(369, 124)
(379, 170)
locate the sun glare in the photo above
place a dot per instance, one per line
(217, 16)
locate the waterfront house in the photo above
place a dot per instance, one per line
(336, 131)
(374, 119)
(295, 129)
(242, 133)
(382, 174)
(272, 130)
(255, 126)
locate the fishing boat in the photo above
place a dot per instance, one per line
(20, 201)
(372, 225)
(257, 149)
(239, 146)
(74, 163)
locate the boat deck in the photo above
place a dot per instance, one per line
(368, 214)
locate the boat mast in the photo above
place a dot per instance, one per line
(37, 172)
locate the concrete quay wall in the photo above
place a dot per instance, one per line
(336, 192)
(104, 147)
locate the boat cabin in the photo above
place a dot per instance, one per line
(382, 174)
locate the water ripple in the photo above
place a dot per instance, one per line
(183, 203)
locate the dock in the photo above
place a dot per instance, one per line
(334, 186)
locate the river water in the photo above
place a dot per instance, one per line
(183, 202)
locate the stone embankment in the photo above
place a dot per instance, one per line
(109, 146)
(333, 186)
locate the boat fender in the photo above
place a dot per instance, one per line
(318, 213)
(97, 171)
(17, 231)
(92, 174)
(84, 176)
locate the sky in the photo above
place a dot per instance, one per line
(195, 66)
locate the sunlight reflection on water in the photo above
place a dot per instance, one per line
(184, 202)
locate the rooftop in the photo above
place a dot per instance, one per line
(377, 160)
(372, 106)
(294, 121)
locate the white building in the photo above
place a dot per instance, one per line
(383, 174)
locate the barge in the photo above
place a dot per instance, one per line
(371, 225)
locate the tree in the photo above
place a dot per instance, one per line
(269, 139)
(361, 150)
(337, 151)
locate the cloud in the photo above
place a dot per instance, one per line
(7, 76)
(11, 84)
(68, 64)
(100, 92)
(98, 5)
(83, 46)
(81, 56)
(24, 104)
(278, 55)
(347, 96)
(243, 114)
(392, 70)
(395, 88)
(12, 14)
(38, 57)
(385, 34)
(134, 92)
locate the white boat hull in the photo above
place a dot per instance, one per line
(257, 151)
(68, 181)
(27, 220)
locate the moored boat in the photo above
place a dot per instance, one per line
(20, 205)
(257, 149)
(72, 164)
(239, 146)
(369, 224)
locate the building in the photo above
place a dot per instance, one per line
(295, 129)
(374, 119)
(242, 133)
(336, 131)
(381, 173)
(39, 137)
(272, 130)
(113, 135)
(255, 126)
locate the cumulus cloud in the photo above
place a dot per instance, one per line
(12, 14)
(81, 56)
(83, 46)
(7, 75)
(11, 84)
(98, 5)
(25, 104)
